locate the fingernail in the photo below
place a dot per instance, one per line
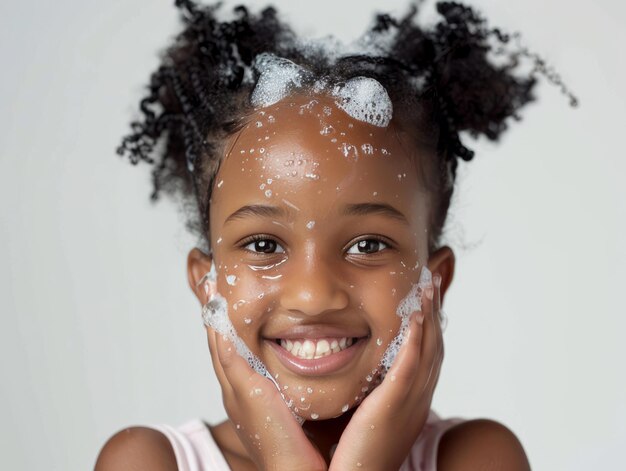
(437, 280)
(429, 292)
(419, 317)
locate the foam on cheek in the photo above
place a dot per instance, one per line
(215, 315)
(409, 304)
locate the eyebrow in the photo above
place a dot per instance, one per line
(384, 209)
(358, 209)
(258, 210)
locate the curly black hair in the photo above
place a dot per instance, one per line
(202, 88)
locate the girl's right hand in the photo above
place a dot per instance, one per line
(265, 425)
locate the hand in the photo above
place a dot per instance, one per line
(265, 425)
(387, 423)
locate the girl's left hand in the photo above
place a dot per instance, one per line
(386, 424)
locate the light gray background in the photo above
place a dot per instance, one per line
(100, 331)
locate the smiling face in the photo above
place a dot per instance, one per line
(318, 229)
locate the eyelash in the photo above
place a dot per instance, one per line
(260, 237)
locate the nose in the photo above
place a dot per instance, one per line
(312, 287)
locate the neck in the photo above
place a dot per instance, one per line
(325, 434)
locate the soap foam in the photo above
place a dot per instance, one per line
(215, 315)
(409, 304)
(364, 99)
(278, 78)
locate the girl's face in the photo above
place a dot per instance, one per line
(318, 229)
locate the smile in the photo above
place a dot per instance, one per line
(317, 356)
(315, 348)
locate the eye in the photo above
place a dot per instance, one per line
(264, 245)
(368, 246)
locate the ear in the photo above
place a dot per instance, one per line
(198, 265)
(442, 261)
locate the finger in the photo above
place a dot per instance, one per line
(261, 417)
(217, 366)
(432, 343)
(406, 364)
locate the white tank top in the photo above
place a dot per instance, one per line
(196, 450)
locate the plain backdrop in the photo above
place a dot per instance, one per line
(100, 330)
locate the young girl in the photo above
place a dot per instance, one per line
(319, 177)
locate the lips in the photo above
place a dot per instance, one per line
(317, 350)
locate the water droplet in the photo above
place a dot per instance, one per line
(268, 193)
(231, 280)
(315, 416)
(379, 342)
(345, 408)
(349, 151)
(259, 124)
(310, 224)
(326, 130)
(248, 321)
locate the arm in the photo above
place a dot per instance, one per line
(137, 449)
(481, 445)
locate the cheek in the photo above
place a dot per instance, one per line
(250, 296)
(380, 298)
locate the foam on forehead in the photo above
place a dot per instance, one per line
(363, 98)
(278, 78)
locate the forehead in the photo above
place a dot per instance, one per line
(306, 148)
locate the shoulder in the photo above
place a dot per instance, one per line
(481, 444)
(137, 448)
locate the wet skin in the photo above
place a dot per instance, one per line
(312, 234)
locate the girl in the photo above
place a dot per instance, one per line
(319, 177)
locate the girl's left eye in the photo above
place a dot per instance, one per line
(368, 246)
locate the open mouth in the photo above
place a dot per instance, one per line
(317, 356)
(311, 349)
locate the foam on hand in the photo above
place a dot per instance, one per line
(409, 304)
(215, 315)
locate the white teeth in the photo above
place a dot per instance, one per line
(311, 349)
(308, 349)
(322, 349)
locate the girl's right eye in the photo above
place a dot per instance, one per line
(264, 246)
